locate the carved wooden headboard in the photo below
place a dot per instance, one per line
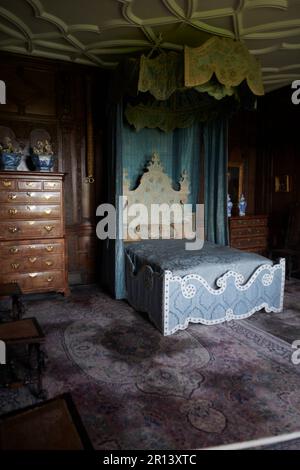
(155, 187)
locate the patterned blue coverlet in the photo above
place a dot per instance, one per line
(176, 286)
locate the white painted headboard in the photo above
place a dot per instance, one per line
(155, 187)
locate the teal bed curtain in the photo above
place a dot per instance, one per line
(178, 151)
(112, 273)
(215, 181)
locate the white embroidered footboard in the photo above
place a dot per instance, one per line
(191, 299)
(172, 302)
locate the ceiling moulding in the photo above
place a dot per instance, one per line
(211, 14)
(11, 32)
(17, 22)
(273, 35)
(252, 4)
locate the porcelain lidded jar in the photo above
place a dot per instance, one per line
(242, 205)
(229, 205)
(10, 156)
(42, 156)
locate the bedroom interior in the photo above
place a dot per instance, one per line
(135, 341)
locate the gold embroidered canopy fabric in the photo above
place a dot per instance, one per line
(229, 60)
(175, 90)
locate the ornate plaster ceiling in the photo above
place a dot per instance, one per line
(99, 32)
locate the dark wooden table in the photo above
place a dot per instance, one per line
(13, 291)
(28, 333)
(52, 425)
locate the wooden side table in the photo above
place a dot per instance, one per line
(25, 332)
(51, 425)
(13, 291)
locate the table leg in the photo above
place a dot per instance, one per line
(18, 309)
(40, 357)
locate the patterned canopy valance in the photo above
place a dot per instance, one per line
(174, 90)
(181, 110)
(229, 60)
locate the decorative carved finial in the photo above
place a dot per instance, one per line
(155, 163)
(126, 182)
(185, 184)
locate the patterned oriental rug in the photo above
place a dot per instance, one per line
(135, 389)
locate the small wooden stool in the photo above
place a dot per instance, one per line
(25, 332)
(13, 290)
(51, 425)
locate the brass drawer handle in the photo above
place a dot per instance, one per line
(48, 228)
(6, 184)
(11, 197)
(13, 211)
(30, 184)
(49, 248)
(13, 229)
(47, 196)
(15, 265)
(14, 250)
(32, 259)
(32, 275)
(49, 263)
(29, 194)
(48, 211)
(51, 185)
(50, 279)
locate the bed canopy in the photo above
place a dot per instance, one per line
(176, 104)
(178, 89)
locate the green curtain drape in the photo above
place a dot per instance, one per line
(215, 181)
(112, 262)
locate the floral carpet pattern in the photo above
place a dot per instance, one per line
(135, 389)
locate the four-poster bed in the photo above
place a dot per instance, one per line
(176, 286)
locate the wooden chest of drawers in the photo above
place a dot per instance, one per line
(32, 234)
(249, 233)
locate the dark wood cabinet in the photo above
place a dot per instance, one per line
(48, 99)
(249, 233)
(32, 231)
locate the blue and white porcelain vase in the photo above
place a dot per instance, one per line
(10, 161)
(10, 155)
(42, 156)
(242, 205)
(229, 205)
(43, 162)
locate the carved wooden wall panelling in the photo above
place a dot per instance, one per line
(51, 96)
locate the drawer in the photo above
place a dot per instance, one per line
(45, 247)
(248, 222)
(29, 197)
(35, 281)
(15, 230)
(25, 264)
(30, 185)
(248, 231)
(52, 185)
(27, 211)
(7, 184)
(244, 243)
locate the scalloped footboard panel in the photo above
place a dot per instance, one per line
(172, 302)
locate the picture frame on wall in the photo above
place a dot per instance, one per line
(282, 184)
(235, 180)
